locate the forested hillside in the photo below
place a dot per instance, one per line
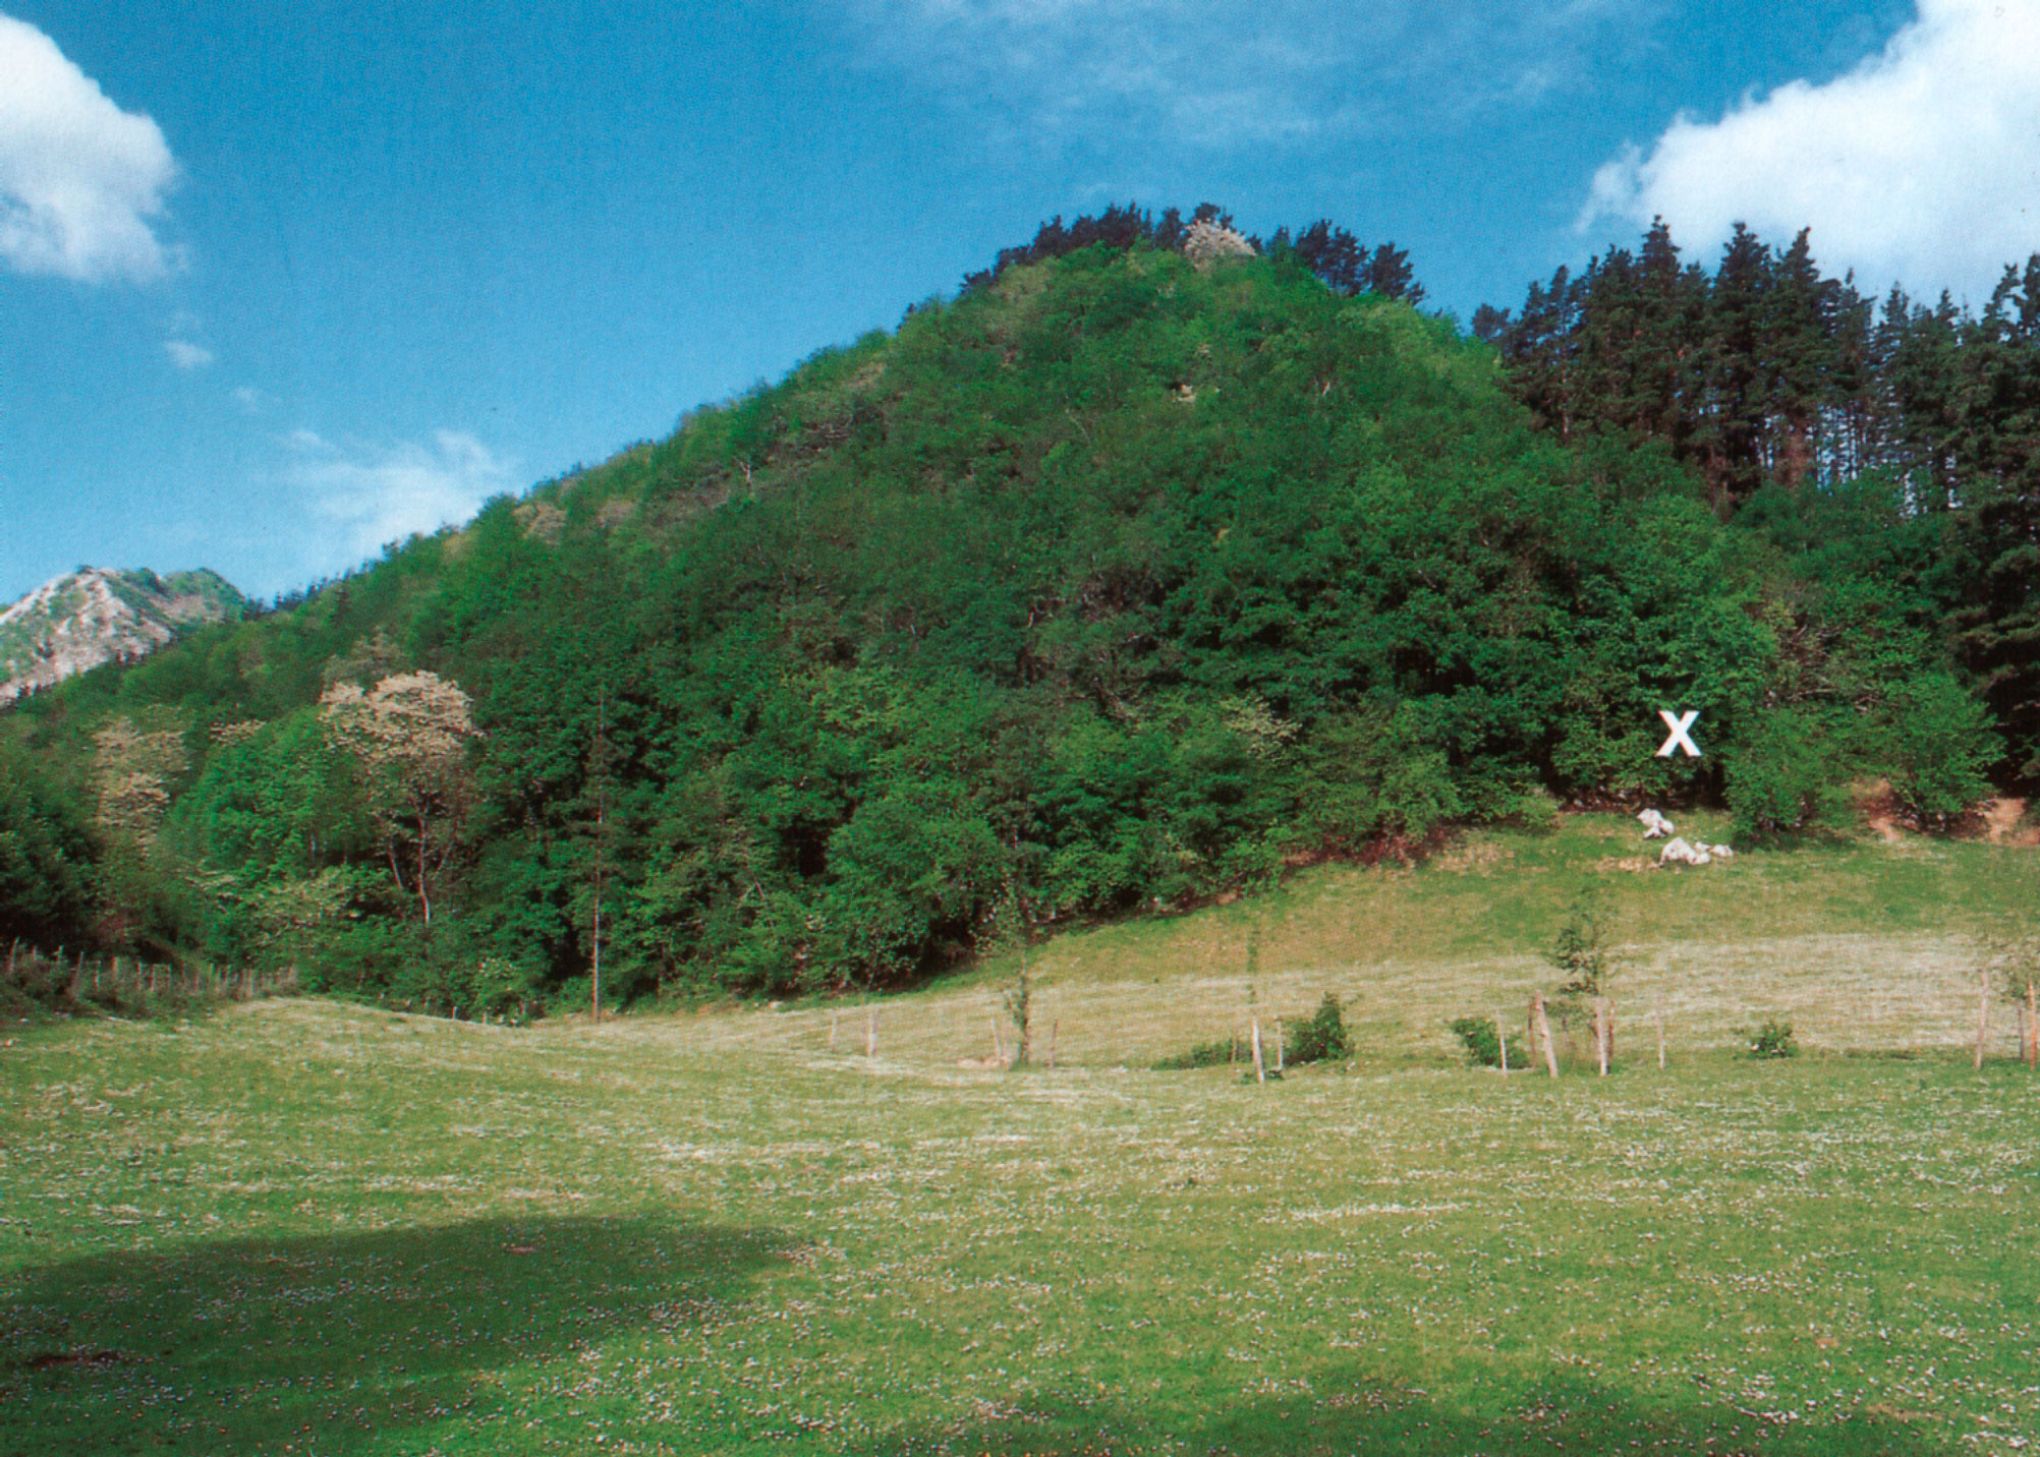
(1129, 574)
(1894, 440)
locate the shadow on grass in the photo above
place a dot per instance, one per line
(316, 1344)
(1346, 1415)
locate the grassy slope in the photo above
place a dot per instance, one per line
(1864, 946)
(314, 1228)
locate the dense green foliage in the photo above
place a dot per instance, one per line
(1895, 448)
(45, 890)
(1320, 1037)
(1109, 585)
(1204, 1054)
(1481, 1038)
(1774, 1039)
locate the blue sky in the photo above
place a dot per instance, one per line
(273, 290)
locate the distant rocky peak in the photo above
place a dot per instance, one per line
(101, 615)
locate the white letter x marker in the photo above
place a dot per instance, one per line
(1679, 739)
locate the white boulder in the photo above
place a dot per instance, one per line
(1655, 825)
(1678, 852)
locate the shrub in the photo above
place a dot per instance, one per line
(1786, 774)
(1379, 774)
(1938, 747)
(1322, 1038)
(1204, 1054)
(503, 988)
(1774, 1039)
(1482, 1041)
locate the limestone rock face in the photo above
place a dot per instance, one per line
(1207, 242)
(100, 615)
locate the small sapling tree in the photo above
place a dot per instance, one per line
(1017, 928)
(1580, 955)
(1586, 967)
(2013, 962)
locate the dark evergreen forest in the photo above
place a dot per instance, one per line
(1125, 577)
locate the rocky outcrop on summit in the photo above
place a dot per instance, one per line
(99, 615)
(1207, 242)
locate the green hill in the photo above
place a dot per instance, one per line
(1115, 583)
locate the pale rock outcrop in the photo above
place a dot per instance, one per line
(1207, 242)
(97, 615)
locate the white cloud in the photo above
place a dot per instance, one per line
(249, 398)
(187, 355)
(1922, 164)
(373, 495)
(80, 179)
(1218, 74)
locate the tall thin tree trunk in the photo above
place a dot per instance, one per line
(424, 897)
(2032, 1025)
(601, 759)
(1982, 1014)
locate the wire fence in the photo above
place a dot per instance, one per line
(80, 982)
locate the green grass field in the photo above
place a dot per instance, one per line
(311, 1228)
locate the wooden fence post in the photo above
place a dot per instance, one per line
(1540, 1026)
(2032, 1026)
(998, 1043)
(1982, 1014)
(1502, 1036)
(832, 1030)
(870, 1032)
(1659, 1017)
(1260, 1071)
(1053, 1027)
(1601, 1037)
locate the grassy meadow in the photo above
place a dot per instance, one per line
(305, 1227)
